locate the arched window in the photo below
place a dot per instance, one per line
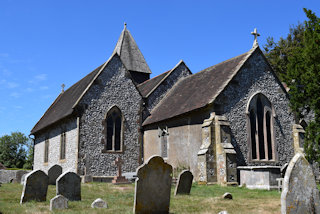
(113, 133)
(260, 128)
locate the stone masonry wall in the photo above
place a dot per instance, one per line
(112, 88)
(156, 96)
(255, 77)
(54, 134)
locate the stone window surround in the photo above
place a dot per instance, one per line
(104, 132)
(163, 132)
(46, 151)
(63, 141)
(266, 109)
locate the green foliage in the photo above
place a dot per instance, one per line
(304, 73)
(296, 60)
(278, 53)
(12, 150)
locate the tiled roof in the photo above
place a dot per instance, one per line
(197, 90)
(150, 84)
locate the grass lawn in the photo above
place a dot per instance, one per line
(203, 199)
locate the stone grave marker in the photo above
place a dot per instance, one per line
(99, 203)
(35, 187)
(153, 186)
(54, 172)
(69, 185)
(59, 202)
(184, 183)
(119, 179)
(300, 193)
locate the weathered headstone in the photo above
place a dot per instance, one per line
(184, 183)
(35, 187)
(69, 185)
(227, 195)
(153, 186)
(99, 203)
(23, 178)
(119, 179)
(300, 193)
(59, 202)
(54, 172)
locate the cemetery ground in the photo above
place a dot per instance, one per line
(203, 199)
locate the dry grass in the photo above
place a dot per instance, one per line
(203, 199)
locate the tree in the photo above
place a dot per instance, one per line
(12, 149)
(278, 53)
(303, 70)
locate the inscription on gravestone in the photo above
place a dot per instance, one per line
(153, 186)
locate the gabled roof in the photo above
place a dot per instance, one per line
(130, 54)
(63, 105)
(197, 90)
(146, 88)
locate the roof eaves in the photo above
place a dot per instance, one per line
(101, 69)
(238, 68)
(168, 74)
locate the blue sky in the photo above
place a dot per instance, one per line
(49, 42)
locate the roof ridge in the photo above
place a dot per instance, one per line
(152, 78)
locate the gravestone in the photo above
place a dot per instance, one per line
(54, 172)
(35, 187)
(300, 193)
(184, 183)
(23, 178)
(119, 179)
(69, 185)
(153, 186)
(227, 195)
(59, 202)
(99, 203)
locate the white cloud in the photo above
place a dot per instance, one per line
(29, 89)
(12, 85)
(15, 94)
(44, 88)
(4, 55)
(38, 78)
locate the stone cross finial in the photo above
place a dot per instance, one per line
(256, 34)
(118, 163)
(62, 87)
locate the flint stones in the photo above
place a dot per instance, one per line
(54, 172)
(153, 186)
(99, 203)
(227, 195)
(184, 183)
(300, 193)
(69, 185)
(59, 202)
(35, 187)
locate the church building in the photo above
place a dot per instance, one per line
(226, 123)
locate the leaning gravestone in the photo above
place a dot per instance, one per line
(54, 172)
(153, 186)
(184, 183)
(300, 193)
(59, 202)
(69, 185)
(35, 187)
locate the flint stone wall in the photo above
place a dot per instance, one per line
(180, 72)
(112, 88)
(255, 76)
(54, 136)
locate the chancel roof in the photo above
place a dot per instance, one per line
(197, 90)
(147, 86)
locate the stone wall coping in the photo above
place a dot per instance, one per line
(257, 167)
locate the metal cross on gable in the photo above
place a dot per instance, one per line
(256, 34)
